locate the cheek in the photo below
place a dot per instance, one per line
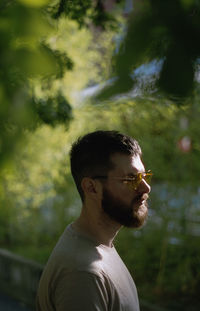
(126, 196)
(121, 192)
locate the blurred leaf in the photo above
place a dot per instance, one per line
(34, 3)
(34, 59)
(33, 63)
(179, 82)
(53, 110)
(167, 30)
(187, 3)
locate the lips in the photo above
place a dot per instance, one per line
(141, 198)
(140, 201)
(145, 196)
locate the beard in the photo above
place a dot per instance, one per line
(131, 215)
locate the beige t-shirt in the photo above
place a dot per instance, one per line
(83, 276)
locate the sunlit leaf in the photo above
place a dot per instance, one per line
(34, 3)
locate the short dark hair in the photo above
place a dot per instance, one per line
(91, 154)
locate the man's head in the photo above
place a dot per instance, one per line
(91, 154)
(111, 158)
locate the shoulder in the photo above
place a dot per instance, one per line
(75, 253)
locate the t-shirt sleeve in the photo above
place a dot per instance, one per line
(78, 291)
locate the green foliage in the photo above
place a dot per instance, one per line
(33, 57)
(25, 55)
(159, 129)
(53, 111)
(85, 12)
(31, 191)
(167, 30)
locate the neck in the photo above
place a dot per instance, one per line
(96, 224)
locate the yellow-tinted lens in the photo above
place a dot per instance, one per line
(134, 183)
(139, 179)
(148, 177)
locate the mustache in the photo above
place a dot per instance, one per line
(141, 197)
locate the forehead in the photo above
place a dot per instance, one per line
(126, 164)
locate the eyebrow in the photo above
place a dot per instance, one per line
(133, 174)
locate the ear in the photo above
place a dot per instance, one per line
(90, 187)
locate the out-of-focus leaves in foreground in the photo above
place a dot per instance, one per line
(87, 11)
(28, 56)
(160, 30)
(53, 110)
(25, 56)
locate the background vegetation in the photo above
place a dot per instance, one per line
(53, 53)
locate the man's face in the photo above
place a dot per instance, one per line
(124, 205)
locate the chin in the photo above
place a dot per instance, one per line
(142, 210)
(139, 216)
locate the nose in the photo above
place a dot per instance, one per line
(144, 187)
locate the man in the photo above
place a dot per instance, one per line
(84, 271)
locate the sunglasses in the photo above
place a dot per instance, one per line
(133, 181)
